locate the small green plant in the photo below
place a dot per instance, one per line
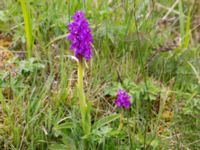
(123, 102)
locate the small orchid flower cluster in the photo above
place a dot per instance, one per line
(123, 99)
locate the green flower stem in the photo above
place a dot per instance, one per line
(85, 109)
(121, 124)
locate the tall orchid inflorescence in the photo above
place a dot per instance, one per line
(123, 101)
(81, 43)
(80, 36)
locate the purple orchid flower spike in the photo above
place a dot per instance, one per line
(80, 36)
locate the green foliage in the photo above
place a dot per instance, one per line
(39, 106)
(104, 121)
(30, 66)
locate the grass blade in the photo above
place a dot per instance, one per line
(181, 21)
(105, 120)
(27, 26)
